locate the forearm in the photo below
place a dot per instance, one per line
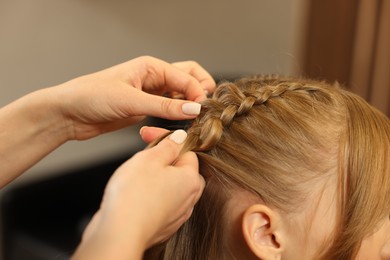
(108, 238)
(106, 250)
(30, 128)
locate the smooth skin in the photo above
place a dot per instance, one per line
(149, 194)
(133, 218)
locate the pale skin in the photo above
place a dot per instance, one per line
(133, 218)
(260, 231)
(161, 186)
(36, 124)
(263, 232)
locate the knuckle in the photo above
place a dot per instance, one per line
(193, 63)
(188, 214)
(194, 66)
(146, 61)
(166, 105)
(139, 155)
(146, 58)
(172, 150)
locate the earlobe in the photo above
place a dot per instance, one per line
(261, 229)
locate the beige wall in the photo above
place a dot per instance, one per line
(46, 42)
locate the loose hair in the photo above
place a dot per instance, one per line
(272, 136)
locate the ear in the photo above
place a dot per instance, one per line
(262, 231)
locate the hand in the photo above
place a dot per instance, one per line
(122, 95)
(151, 133)
(38, 123)
(146, 200)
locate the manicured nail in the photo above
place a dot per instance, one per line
(179, 136)
(141, 130)
(191, 108)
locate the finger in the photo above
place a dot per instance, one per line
(149, 134)
(119, 124)
(187, 215)
(91, 227)
(100, 128)
(194, 69)
(156, 74)
(167, 151)
(201, 189)
(190, 159)
(173, 109)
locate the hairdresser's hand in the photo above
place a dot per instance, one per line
(122, 95)
(150, 133)
(147, 199)
(38, 123)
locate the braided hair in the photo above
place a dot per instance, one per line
(272, 136)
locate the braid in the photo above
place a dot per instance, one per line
(276, 138)
(235, 99)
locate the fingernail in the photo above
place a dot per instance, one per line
(206, 92)
(179, 136)
(191, 108)
(141, 130)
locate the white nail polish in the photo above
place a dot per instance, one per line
(191, 108)
(179, 136)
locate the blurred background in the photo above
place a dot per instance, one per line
(47, 42)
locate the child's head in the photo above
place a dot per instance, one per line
(294, 168)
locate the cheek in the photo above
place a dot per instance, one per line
(376, 246)
(385, 253)
(368, 250)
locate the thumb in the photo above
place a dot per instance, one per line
(173, 109)
(167, 151)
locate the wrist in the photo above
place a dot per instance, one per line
(43, 109)
(30, 128)
(110, 245)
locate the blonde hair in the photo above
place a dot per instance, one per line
(271, 136)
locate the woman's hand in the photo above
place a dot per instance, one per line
(146, 200)
(36, 124)
(122, 95)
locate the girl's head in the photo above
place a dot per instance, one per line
(294, 168)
